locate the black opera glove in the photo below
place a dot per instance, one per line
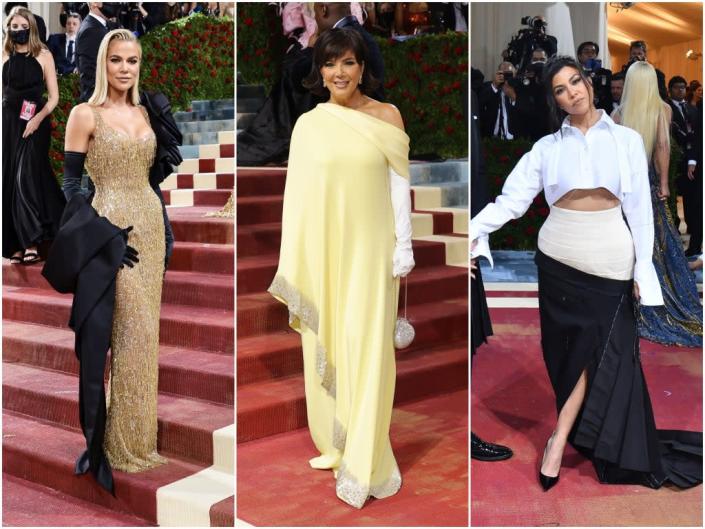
(130, 257)
(73, 172)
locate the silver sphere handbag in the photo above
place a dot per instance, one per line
(404, 332)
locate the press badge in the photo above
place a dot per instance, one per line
(28, 110)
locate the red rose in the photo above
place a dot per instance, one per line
(154, 73)
(531, 214)
(248, 21)
(544, 212)
(459, 50)
(518, 151)
(456, 85)
(497, 181)
(531, 230)
(509, 240)
(449, 130)
(259, 51)
(445, 109)
(504, 158)
(214, 73)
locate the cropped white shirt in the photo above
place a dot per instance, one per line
(609, 156)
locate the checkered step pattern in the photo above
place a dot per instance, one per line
(204, 181)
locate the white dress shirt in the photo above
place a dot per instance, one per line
(609, 156)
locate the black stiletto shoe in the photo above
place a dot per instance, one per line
(547, 481)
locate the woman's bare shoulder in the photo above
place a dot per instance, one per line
(386, 112)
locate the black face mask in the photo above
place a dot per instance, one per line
(19, 36)
(110, 9)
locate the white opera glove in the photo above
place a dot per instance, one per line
(403, 259)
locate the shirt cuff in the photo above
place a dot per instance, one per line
(482, 249)
(692, 162)
(649, 286)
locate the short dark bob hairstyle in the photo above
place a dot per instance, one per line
(554, 65)
(333, 44)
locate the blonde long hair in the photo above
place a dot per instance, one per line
(35, 45)
(642, 108)
(100, 93)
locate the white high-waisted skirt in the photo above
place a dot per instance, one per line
(594, 242)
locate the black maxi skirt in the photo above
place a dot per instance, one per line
(481, 326)
(588, 323)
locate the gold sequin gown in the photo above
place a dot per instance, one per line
(119, 167)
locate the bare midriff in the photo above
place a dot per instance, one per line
(597, 199)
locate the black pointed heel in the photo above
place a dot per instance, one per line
(547, 481)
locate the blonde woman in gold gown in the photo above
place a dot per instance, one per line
(346, 239)
(114, 132)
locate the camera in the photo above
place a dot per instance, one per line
(537, 23)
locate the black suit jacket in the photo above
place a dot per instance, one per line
(90, 34)
(478, 186)
(57, 46)
(374, 54)
(489, 102)
(680, 125)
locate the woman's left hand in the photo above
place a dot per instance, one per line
(32, 126)
(473, 266)
(664, 193)
(636, 290)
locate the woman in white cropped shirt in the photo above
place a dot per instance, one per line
(593, 268)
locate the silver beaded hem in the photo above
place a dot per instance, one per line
(303, 310)
(353, 493)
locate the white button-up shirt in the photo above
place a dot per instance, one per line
(609, 156)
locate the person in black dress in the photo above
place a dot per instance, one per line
(32, 202)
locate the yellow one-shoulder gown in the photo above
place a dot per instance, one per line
(335, 276)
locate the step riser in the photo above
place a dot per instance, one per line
(181, 440)
(179, 333)
(259, 185)
(202, 259)
(429, 330)
(248, 214)
(291, 415)
(175, 380)
(210, 197)
(223, 181)
(269, 365)
(203, 231)
(174, 291)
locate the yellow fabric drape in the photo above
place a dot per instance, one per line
(335, 276)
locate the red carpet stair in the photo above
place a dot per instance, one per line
(269, 363)
(41, 431)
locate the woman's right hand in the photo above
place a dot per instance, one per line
(32, 126)
(402, 262)
(664, 192)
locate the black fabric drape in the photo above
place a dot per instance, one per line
(588, 323)
(84, 260)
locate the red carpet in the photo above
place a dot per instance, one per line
(277, 487)
(270, 380)
(41, 432)
(512, 404)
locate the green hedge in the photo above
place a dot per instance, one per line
(187, 59)
(424, 77)
(500, 158)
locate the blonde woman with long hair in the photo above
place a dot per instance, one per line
(31, 198)
(680, 320)
(112, 134)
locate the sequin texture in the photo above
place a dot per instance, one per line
(119, 167)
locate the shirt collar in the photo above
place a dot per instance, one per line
(99, 19)
(604, 121)
(345, 20)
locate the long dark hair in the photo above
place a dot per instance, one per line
(331, 45)
(553, 66)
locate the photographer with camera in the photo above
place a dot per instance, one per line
(497, 104)
(601, 77)
(637, 52)
(532, 113)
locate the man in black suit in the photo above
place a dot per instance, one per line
(331, 15)
(479, 314)
(63, 45)
(90, 34)
(693, 186)
(683, 130)
(587, 57)
(497, 104)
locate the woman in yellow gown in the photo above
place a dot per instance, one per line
(346, 238)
